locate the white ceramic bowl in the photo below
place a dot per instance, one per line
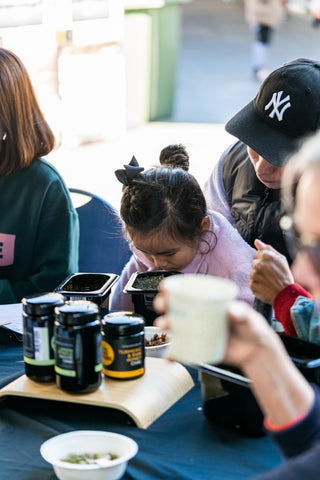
(160, 351)
(87, 441)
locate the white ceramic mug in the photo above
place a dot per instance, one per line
(197, 316)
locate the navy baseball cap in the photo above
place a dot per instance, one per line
(284, 112)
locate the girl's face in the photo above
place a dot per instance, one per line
(165, 253)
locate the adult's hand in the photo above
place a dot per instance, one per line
(270, 273)
(282, 392)
(249, 333)
(160, 306)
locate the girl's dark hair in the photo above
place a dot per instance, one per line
(27, 134)
(175, 155)
(164, 200)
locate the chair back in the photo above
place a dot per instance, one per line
(102, 247)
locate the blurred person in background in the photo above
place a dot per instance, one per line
(291, 404)
(263, 16)
(39, 229)
(314, 9)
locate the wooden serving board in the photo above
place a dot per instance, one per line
(144, 399)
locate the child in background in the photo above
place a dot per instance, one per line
(169, 228)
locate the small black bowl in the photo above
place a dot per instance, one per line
(143, 287)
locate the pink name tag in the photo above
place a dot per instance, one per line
(7, 242)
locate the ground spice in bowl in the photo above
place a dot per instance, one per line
(157, 340)
(148, 282)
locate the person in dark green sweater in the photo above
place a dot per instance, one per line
(39, 227)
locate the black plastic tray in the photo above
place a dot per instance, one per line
(142, 298)
(305, 355)
(95, 287)
(226, 394)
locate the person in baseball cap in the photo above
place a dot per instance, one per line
(245, 183)
(286, 109)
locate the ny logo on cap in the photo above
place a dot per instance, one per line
(276, 102)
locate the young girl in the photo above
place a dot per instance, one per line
(166, 220)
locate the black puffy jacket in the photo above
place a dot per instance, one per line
(256, 208)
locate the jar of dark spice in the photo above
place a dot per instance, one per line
(38, 326)
(123, 345)
(77, 335)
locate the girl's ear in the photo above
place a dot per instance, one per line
(205, 225)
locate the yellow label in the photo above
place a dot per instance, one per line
(133, 373)
(107, 353)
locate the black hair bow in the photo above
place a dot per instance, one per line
(126, 175)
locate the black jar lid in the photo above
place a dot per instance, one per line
(43, 304)
(122, 323)
(77, 312)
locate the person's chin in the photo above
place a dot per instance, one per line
(268, 184)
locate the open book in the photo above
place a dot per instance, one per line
(11, 319)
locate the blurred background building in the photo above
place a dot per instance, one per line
(99, 66)
(123, 77)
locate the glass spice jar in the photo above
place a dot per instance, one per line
(123, 345)
(77, 335)
(38, 326)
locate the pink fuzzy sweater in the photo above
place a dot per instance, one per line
(224, 254)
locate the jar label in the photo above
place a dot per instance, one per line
(72, 351)
(124, 375)
(123, 360)
(37, 348)
(64, 348)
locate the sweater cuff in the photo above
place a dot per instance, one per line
(278, 428)
(302, 434)
(284, 301)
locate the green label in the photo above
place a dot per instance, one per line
(31, 361)
(98, 367)
(66, 373)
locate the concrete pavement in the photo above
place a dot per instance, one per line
(214, 77)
